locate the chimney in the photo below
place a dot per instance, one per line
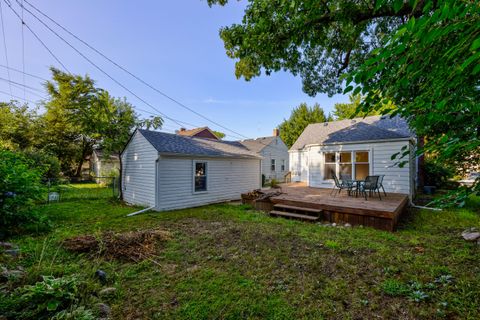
(182, 129)
(276, 132)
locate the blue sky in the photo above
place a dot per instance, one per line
(173, 45)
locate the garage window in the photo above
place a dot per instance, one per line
(200, 176)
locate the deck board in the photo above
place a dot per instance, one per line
(382, 214)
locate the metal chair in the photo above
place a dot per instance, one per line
(371, 185)
(380, 184)
(340, 185)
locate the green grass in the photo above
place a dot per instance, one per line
(231, 262)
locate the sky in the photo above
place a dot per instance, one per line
(173, 45)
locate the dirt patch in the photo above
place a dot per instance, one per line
(133, 246)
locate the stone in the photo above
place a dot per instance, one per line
(102, 276)
(470, 235)
(7, 245)
(104, 310)
(334, 224)
(348, 225)
(110, 291)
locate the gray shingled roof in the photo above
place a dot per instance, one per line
(183, 145)
(354, 130)
(257, 145)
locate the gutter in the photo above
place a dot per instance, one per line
(351, 142)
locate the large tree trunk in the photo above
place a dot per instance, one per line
(86, 150)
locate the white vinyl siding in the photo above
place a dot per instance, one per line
(277, 151)
(226, 180)
(138, 160)
(310, 163)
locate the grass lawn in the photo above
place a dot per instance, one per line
(230, 262)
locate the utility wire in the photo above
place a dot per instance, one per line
(103, 71)
(23, 52)
(24, 73)
(5, 47)
(14, 96)
(37, 37)
(129, 72)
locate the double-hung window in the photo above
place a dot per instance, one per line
(200, 176)
(283, 165)
(272, 165)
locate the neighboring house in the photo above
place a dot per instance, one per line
(170, 171)
(275, 163)
(203, 132)
(357, 147)
(102, 166)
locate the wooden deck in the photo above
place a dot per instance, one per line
(381, 214)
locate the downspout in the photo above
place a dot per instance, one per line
(156, 192)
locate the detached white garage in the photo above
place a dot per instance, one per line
(169, 171)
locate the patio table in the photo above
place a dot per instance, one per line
(357, 183)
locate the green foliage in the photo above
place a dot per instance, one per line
(19, 126)
(51, 297)
(429, 69)
(320, 41)
(48, 164)
(274, 183)
(393, 287)
(352, 109)
(20, 186)
(299, 119)
(218, 134)
(437, 174)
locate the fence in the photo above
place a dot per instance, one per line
(95, 188)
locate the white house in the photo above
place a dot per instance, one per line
(274, 152)
(170, 171)
(102, 166)
(357, 147)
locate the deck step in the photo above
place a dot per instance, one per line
(287, 207)
(293, 215)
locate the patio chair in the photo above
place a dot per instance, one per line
(371, 185)
(380, 184)
(340, 185)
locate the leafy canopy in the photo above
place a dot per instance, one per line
(300, 118)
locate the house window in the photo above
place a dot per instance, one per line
(283, 165)
(361, 165)
(346, 165)
(200, 176)
(272, 165)
(330, 165)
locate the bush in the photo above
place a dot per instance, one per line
(51, 297)
(437, 174)
(20, 186)
(49, 165)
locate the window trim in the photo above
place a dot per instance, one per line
(273, 165)
(193, 176)
(282, 166)
(353, 162)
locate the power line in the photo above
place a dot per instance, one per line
(23, 51)
(37, 37)
(5, 46)
(21, 86)
(129, 72)
(22, 72)
(14, 96)
(103, 71)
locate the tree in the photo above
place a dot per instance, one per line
(430, 70)
(220, 135)
(70, 120)
(299, 119)
(18, 126)
(115, 123)
(318, 40)
(352, 109)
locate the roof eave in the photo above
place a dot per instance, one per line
(353, 142)
(190, 155)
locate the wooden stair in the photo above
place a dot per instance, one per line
(294, 212)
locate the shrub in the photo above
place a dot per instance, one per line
(437, 174)
(274, 183)
(48, 164)
(51, 297)
(20, 186)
